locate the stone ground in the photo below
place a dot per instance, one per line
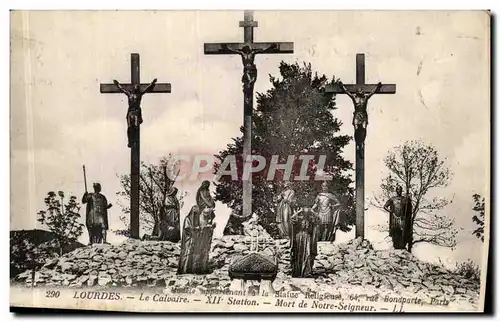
(347, 268)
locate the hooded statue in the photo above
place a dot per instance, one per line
(284, 210)
(203, 197)
(303, 242)
(170, 221)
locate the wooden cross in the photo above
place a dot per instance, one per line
(360, 150)
(135, 159)
(260, 48)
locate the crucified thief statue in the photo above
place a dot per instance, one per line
(360, 117)
(134, 114)
(249, 69)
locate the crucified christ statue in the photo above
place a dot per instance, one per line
(249, 69)
(360, 117)
(134, 114)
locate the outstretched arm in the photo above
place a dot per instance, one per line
(120, 87)
(346, 91)
(260, 50)
(150, 86)
(376, 89)
(236, 51)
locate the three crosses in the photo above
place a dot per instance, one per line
(247, 50)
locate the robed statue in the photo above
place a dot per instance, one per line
(96, 215)
(197, 233)
(204, 240)
(203, 197)
(303, 242)
(328, 209)
(360, 115)
(399, 208)
(169, 217)
(284, 210)
(134, 113)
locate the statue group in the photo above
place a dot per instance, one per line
(305, 226)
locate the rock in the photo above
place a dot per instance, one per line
(448, 289)
(51, 263)
(81, 255)
(122, 255)
(92, 280)
(359, 265)
(427, 284)
(240, 247)
(67, 266)
(97, 258)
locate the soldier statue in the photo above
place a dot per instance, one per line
(96, 215)
(399, 208)
(134, 113)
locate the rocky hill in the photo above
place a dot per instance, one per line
(42, 243)
(338, 266)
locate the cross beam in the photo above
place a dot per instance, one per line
(248, 25)
(135, 159)
(136, 79)
(360, 81)
(360, 153)
(218, 49)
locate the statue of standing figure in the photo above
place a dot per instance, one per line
(169, 216)
(303, 242)
(399, 208)
(197, 233)
(360, 117)
(203, 197)
(134, 113)
(284, 211)
(328, 208)
(96, 215)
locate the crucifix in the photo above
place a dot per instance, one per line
(247, 50)
(134, 91)
(360, 93)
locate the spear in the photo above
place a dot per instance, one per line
(84, 178)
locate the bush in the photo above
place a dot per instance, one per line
(62, 219)
(469, 270)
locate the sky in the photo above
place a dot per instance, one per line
(59, 120)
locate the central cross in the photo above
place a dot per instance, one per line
(134, 91)
(247, 51)
(360, 93)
